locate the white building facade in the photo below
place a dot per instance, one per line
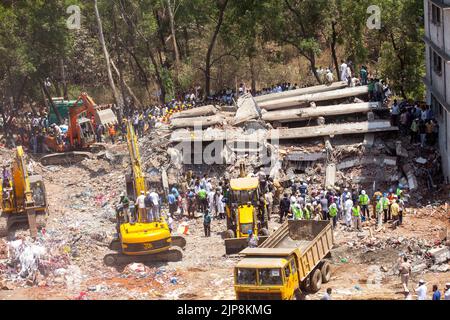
(437, 80)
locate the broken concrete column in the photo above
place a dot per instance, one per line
(203, 111)
(330, 178)
(412, 180)
(298, 92)
(307, 98)
(440, 255)
(247, 110)
(299, 114)
(201, 122)
(332, 129)
(370, 116)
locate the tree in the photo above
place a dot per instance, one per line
(117, 97)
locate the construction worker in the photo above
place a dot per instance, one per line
(333, 213)
(356, 213)
(395, 212)
(297, 211)
(386, 212)
(376, 197)
(379, 211)
(112, 133)
(364, 204)
(307, 211)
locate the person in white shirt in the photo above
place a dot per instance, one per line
(140, 203)
(343, 71)
(421, 291)
(447, 291)
(329, 76)
(155, 209)
(211, 204)
(348, 211)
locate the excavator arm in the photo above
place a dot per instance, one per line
(137, 176)
(22, 189)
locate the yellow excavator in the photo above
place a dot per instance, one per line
(22, 197)
(246, 211)
(142, 240)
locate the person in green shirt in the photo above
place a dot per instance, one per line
(356, 213)
(379, 211)
(202, 201)
(333, 213)
(364, 204)
(297, 211)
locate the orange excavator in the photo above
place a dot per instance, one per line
(80, 140)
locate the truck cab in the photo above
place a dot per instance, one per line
(273, 278)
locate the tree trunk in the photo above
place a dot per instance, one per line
(312, 61)
(252, 73)
(63, 78)
(333, 49)
(174, 37)
(159, 81)
(211, 47)
(126, 86)
(186, 42)
(117, 97)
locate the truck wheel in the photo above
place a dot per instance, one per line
(229, 234)
(316, 281)
(264, 232)
(326, 272)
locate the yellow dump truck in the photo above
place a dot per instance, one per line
(288, 263)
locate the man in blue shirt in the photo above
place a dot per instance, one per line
(436, 293)
(172, 203)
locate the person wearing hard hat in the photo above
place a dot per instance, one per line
(356, 213)
(333, 213)
(379, 211)
(395, 210)
(375, 198)
(364, 204)
(386, 205)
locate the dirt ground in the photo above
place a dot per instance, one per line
(81, 201)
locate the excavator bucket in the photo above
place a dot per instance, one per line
(236, 245)
(105, 117)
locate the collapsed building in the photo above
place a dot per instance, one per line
(327, 135)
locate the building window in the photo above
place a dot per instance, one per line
(437, 63)
(436, 107)
(435, 15)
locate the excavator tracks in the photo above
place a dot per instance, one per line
(174, 254)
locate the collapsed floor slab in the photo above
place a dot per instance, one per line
(300, 114)
(302, 91)
(315, 97)
(332, 130)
